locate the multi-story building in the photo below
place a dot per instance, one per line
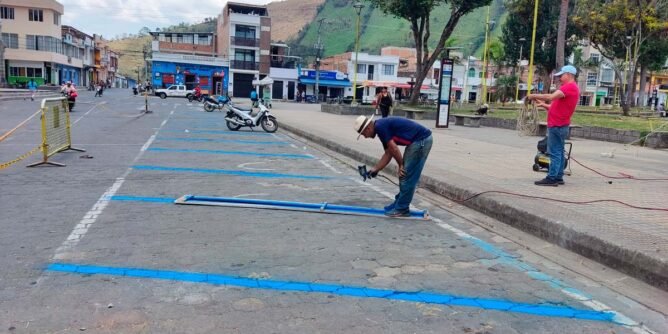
(188, 59)
(31, 33)
(596, 79)
(106, 62)
(82, 46)
(244, 37)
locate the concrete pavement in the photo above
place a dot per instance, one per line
(466, 161)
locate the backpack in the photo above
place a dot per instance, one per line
(253, 95)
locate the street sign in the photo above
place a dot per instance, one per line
(443, 105)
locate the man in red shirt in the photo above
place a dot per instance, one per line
(560, 106)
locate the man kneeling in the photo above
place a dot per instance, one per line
(392, 132)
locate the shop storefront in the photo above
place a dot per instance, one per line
(332, 84)
(211, 79)
(69, 73)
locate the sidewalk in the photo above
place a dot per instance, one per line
(465, 161)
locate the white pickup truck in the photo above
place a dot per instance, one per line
(173, 91)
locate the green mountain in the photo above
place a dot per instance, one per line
(378, 30)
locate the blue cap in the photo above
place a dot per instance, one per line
(567, 69)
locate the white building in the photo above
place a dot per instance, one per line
(373, 73)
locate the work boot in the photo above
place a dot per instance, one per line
(561, 182)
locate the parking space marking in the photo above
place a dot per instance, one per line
(255, 163)
(542, 309)
(222, 132)
(232, 141)
(245, 153)
(231, 172)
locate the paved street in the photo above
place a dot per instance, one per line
(99, 247)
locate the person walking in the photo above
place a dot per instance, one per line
(32, 86)
(560, 107)
(384, 102)
(394, 132)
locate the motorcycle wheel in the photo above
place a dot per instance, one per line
(233, 126)
(208, 107)
(190, 98)
(269, 123)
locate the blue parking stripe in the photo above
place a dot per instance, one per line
(222, 132)
(233, 141)
(231, 172)
(542, 309)
(257, 154)
(142, 199)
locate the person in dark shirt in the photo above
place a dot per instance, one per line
(384, 102)
(394, 132)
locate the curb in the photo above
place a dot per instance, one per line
(19, 98)
(652, 271)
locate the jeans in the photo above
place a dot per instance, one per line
(415, 156)
(556, 138)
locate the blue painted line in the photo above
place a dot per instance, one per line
(234, 141)
(543, 309)
(222, 132)
(256, 154)
(142, 199)
(232, 172)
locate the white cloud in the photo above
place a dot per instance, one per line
(115, 17)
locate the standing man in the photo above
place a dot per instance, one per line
(560, 106)
(393, 132)
(32, 86)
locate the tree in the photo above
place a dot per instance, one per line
(619, 29)
(520, 25)
(561, 32)
(144, 31)
(417, 13)
(505, 86)
(653, 57)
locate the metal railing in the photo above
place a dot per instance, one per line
(244, 65)
(243, 41)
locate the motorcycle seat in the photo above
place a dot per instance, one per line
(244, 109)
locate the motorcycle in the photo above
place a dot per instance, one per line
(70, 100)
(196, 97)
(238, 117)
(211, 104)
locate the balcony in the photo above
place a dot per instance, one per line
(244, 65)
(183, 47)
(190, 59)
(243, 41)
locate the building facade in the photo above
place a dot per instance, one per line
(244, 37)
(188, 59)
(32, 35)
(106, 62)
(82, 46)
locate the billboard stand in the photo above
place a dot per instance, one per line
(445, 87)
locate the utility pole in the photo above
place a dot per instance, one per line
(2, 59)
(318, 48)
(145, 63)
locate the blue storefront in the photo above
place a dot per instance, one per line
(331, 84)
(211, 79)
(69, 73)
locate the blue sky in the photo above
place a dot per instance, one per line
(115, 17)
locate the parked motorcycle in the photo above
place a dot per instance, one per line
(238, 117)
(211, 104)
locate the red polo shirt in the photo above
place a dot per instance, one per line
(562, 109)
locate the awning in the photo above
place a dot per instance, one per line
(264, 82)
(409, 86)
(371, 83)
(326, 83)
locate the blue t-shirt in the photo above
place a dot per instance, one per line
(253, 95)
(403, 131)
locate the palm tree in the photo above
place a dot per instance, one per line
(505, 86)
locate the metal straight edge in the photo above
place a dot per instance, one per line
(293, 206)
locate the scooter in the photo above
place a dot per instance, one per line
(196, 97)
(211, 104)
(238, 117)
(70, 100)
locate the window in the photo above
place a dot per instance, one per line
(388, 69)
(471, 72)
(595, 58)
(592, 78)
(6, 13)
(56, 18)
(244, 55)
(361, 68)
(36, 15)
(11, 41)
(242, 31)
(480, 74)
(162, 38)
(179, 38)
(188, 39)
(13, 71)
(203, 40)
(607, 75)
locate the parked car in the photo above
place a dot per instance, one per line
(174, 91)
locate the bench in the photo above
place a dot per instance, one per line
(416, 114)
(542, 129)
(467, 120)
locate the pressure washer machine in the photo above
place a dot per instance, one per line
(542, 159)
